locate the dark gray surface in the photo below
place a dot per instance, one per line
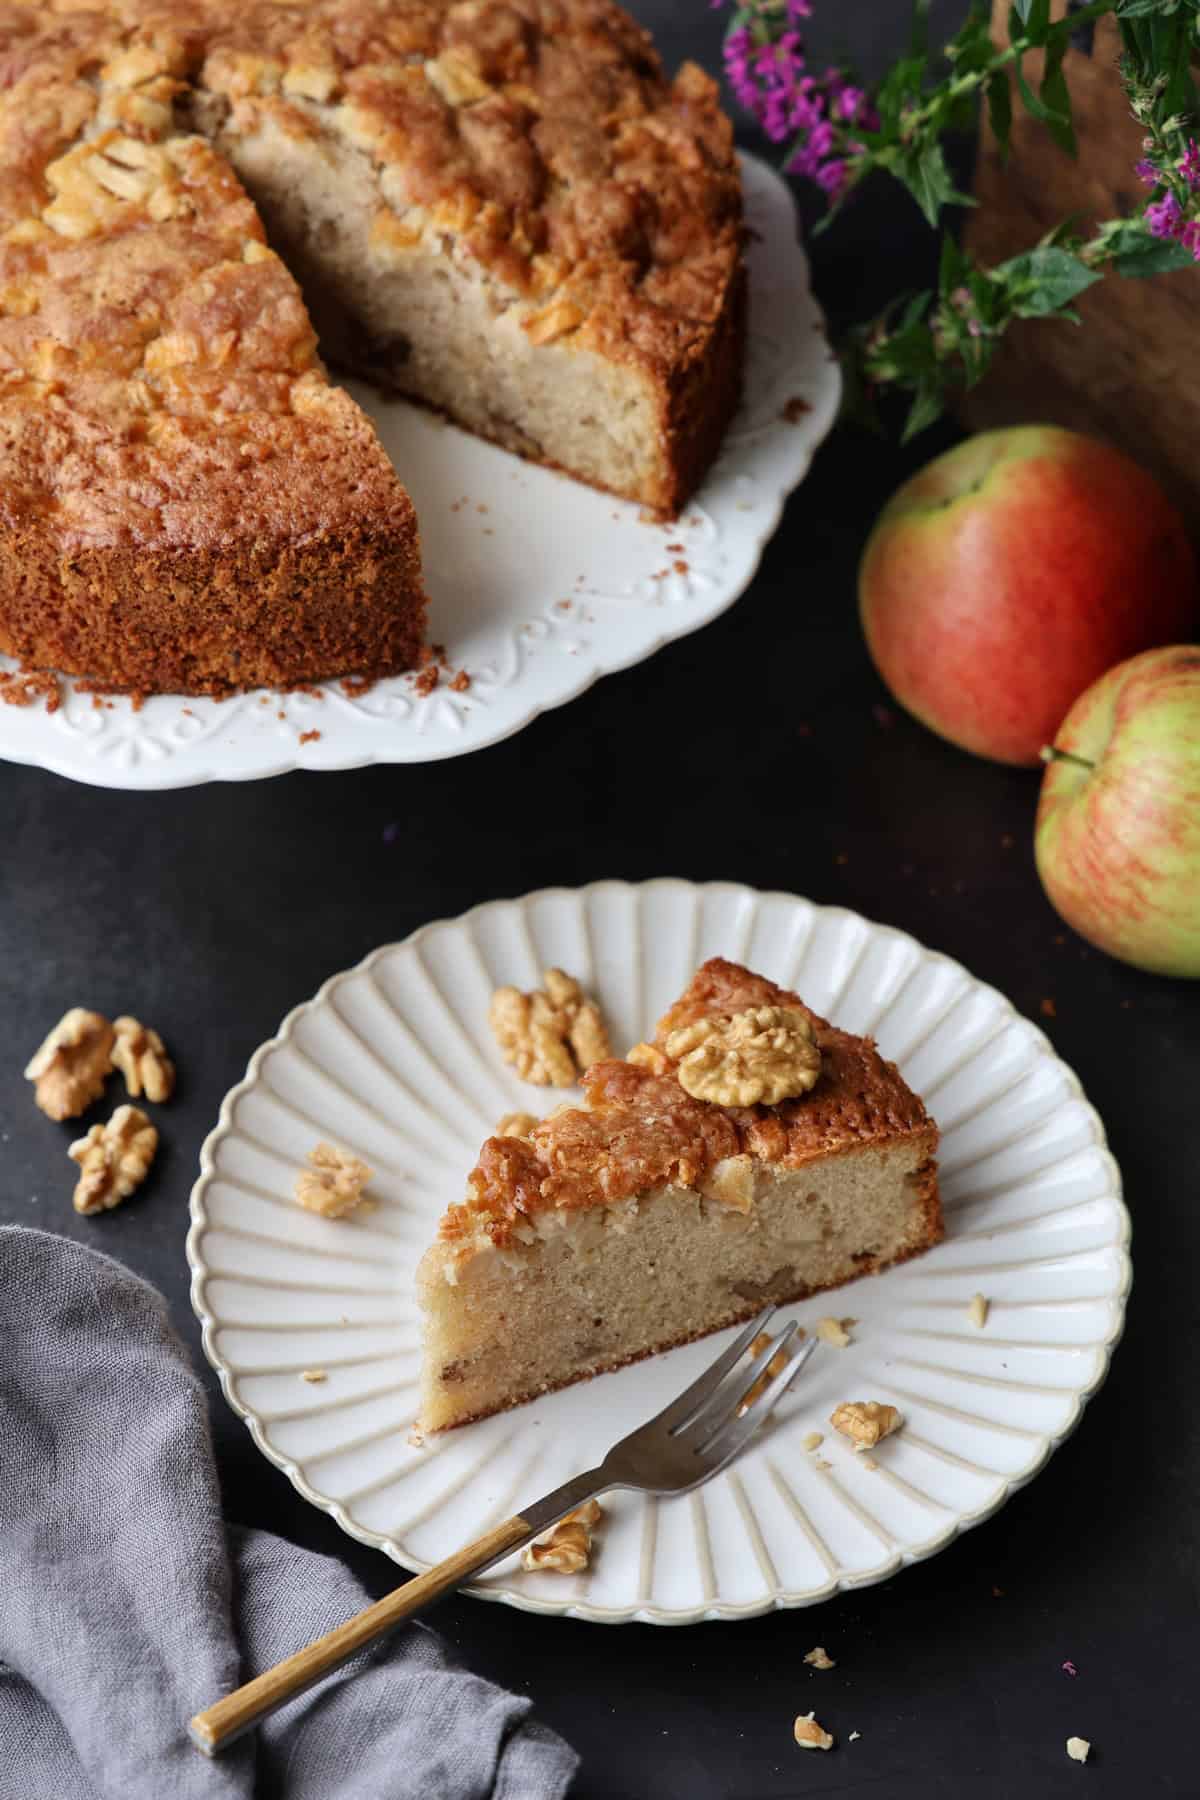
(212, 911)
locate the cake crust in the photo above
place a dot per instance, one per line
(641, 1130)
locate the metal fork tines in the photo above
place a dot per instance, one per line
(700, 1432)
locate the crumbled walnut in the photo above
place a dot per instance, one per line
(813, 1440)
(515, 1124)
(333, 1185)
(977, 1312)
(141, 1056)
(756, 1057)
(552, 1035)
(834, 1331)
(70, 1069)
(1078, 1748)
(649, 1056)
(566, 1548)
(819, 1658)
(777, 1362)
(866, 1421)
(810, 1735)
(313, 1375)
(113, 1159)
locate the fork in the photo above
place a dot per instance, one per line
(691, 1440)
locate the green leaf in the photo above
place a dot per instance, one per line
(1056, 97)
(999, 102)
(1034, 22)
(927, 406)
(1043, 281)
(1139, 255)
(924, 173)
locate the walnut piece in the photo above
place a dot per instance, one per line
(551, 1035)
(812, 1440)
(649, 1056)
(70, 1069)
(567, 1547)
(113, 1159)
(811, 1736)
(866, 1421)
(977, 1312)
(515, 1124)
(753, 1058)
(141, 1056)
(834, 1332)
(819, 1658)
(1077, 1749)
(313, 1375)
(333, 1183)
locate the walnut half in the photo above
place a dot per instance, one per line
(551, 1035)
(141, 1056)
(114, 1159)
(757, 1057)
(70, 1069)
(333, 1183)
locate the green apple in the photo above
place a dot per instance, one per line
(1117, 840)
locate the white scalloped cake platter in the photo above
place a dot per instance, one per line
(537, 584)
(394, 1060)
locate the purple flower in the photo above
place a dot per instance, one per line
(1189, 166)
(1189, 237)
(847, 102)
(1163, 216)
(1146, 171)
(798, 9)
(832, 177)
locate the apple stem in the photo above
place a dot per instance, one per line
(1050, 753)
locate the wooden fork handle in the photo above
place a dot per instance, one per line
(227, 1719)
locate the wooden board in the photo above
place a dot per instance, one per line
(1131, 372)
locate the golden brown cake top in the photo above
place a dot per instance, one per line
(640, 1130)
(159, 382)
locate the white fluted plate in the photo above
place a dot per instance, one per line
(394, 1060)
(538, 585)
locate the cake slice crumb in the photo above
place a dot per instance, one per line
(313, 1375)
(819, 1658)
(1078, 1749)
(835, 1332)
(978, 1310)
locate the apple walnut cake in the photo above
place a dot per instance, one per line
(752, 1152)
(504, 210)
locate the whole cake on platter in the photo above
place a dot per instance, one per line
(505, 211)
(752, 1152)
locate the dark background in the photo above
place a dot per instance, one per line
(210, 912)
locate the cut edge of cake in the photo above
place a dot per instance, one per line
(649, 1218)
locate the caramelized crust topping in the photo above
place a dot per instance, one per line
(640, 1130)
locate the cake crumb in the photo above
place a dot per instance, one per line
(23, 687)
(819, 1658)
(353, 686)
(426, 681)
(460, 683)
(775, 1367)
(814, 1440)
(309, 737)
(978, 1310)
(811, 1736)
(795, 409)
(680, 567)
(867, 1462)
(313, 1375)
(1048, 1009)
(854, 1735)
(1078, 1748)
(835, 1332)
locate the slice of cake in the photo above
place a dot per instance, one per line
(753, 1152)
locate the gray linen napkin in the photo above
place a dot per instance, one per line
(127, 1606)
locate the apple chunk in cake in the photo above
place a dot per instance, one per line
(651, 1216)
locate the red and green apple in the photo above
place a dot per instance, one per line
(1010, 573)
(1117, 840)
